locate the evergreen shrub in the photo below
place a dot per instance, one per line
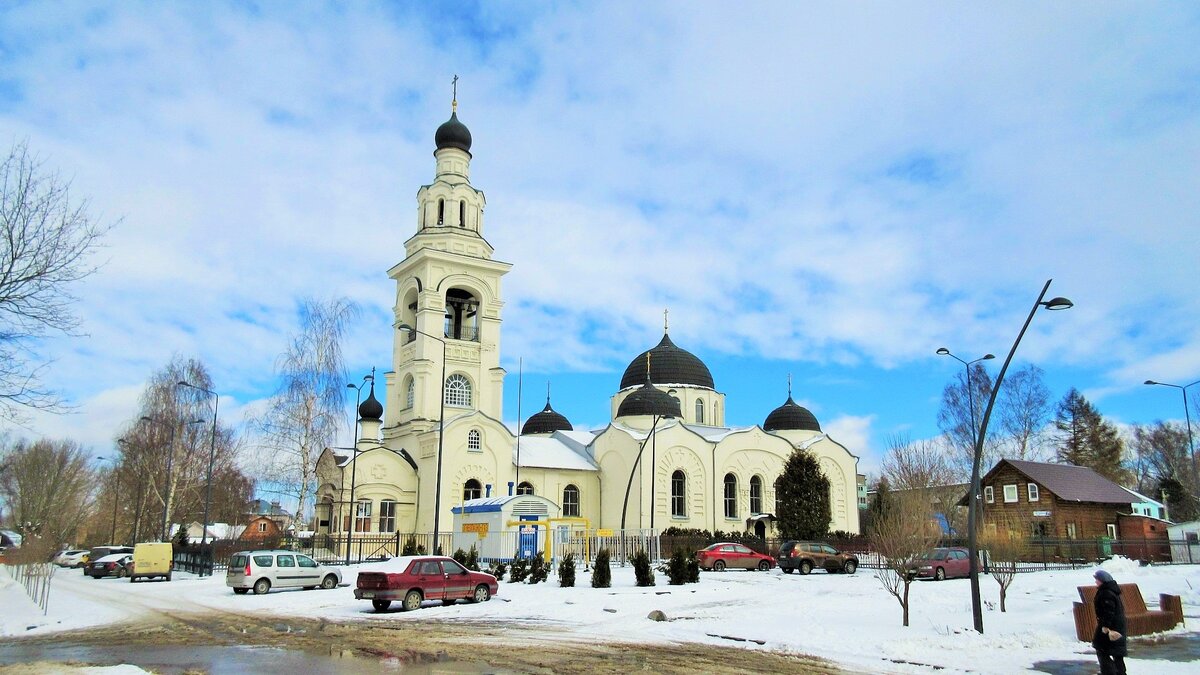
(566, 571)
(601, 573)
(641, 569)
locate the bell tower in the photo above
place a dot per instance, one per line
(448, 299)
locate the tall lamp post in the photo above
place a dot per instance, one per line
(354, 457)
(212, 451)
(942, 351)
(116, 495)
(437, 481)
(1188, 416)
(629, 486)
(170, 461)
(973, 505)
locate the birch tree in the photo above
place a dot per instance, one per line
(303, 415)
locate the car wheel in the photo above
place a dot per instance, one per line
(805, 567)
(121, 573)
(412, 600)
(850, 567)
(168, 576)
(787, 570)
(381, 605)
(241, 591)
(763, 566)
(719, 566)
(329, 582)
(482, 594)
(939, 575)
(262, 586)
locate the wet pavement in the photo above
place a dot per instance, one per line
(230, 660)
(1177, 648)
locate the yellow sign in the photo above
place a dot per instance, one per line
(478, 528)
(604, 533)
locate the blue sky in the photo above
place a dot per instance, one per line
(823, 191)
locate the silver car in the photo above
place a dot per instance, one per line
(264, 570)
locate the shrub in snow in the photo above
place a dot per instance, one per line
(460, 557)
(641, 569)
(497, 569)
(601, 574)
(537, 569)
(693, 568)
(410, 546)
(519, 570)
(473, 559)
(677, 573)
(566, 571)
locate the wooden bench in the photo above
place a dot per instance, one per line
(1139, 620)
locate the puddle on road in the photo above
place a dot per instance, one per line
(232, 660)
(1177, 648)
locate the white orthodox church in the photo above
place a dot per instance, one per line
(665, 459)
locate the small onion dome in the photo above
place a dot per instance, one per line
(668, 365)
(453, 134)
(371, 409)
(545, 422)
(649, 400)
(791, 416)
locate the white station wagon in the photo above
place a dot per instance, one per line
(264, 570)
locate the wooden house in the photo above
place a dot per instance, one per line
(1058, 501)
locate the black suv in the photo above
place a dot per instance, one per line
(806, 555)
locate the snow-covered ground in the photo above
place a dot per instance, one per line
(847, 619)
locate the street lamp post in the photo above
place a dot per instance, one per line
(170, 461)
(354, 458)
(437, 481)
(116, 495)
(212, 451)
(1188, 416)
(629, 486)
(942, 351)
(973, 505)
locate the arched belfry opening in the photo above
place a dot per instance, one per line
(462, 315)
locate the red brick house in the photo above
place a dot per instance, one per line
(1059, 501)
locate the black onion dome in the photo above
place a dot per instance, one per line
(791, 416)
(545, 422)
(371, 409)
(649, 400)
(668, 365)
(453, 134)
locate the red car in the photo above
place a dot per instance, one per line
(942, 563)
(721, 556)
(417, 578)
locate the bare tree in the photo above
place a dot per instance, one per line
(1023, 411)
(1162, 461)
(1007, 542)
(924, 467)
(45, 244)
(959, 417)
(901, 531)
(47, 485)
(303, 416)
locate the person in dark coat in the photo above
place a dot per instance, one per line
(1109, 639)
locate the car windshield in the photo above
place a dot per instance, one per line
(935, 554)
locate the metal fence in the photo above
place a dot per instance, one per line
(35, 577)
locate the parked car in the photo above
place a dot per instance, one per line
(264, 570)
(98, 552)
(112, 565)
(153, 560)
(72, 557)
(737, 556)
(415, 579)
(809, 555)
(942, 563)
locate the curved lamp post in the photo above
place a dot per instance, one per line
(1188, 416)
(629, 486)
(354, 458)
(973, 505)
(437, 481)
(212, 451)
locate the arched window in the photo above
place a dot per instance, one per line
(474, 441)
(362, 516)
(461, 320)
(678, 488)
(462, 214)
(525, 488)
(699, 411)
(441, 211)
(570, 501)
(458, 391)
(472, 490)
(730, 496)
(755, 495)
(410, 394)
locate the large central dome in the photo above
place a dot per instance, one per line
(668, 365)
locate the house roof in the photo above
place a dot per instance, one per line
(1069, 482)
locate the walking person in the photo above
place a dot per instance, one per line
(1109, 639)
